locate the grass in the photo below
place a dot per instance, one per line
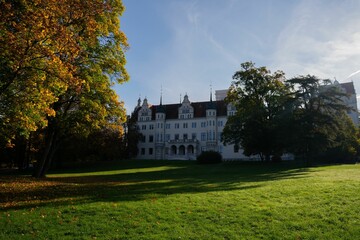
(183, 200)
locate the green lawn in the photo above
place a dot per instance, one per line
(183, 200)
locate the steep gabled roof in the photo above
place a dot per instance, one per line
(171, 110)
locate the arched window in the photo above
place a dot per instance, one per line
(190, 149)
(173, 150)
(182, 150)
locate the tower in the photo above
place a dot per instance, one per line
(211, 133)
(160, 117)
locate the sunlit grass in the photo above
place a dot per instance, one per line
(113, 172)
(182, 200)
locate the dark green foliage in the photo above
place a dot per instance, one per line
(259, 98)
(102, 145)
(209, 157)
(346, 146)
(304, 115)
(318, 122)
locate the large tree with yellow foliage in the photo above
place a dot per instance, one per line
(59, 60)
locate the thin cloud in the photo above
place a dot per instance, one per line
(316, 42)
(353, 74)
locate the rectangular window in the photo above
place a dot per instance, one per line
(143, 127)
(143, 138)
(167, 137)
(142, 151)
(193, 125)
(176, 125)
(150, 151)
(185, 136)
(193, 136)
(176, 136)
(151, 138)
(185, 125)
(151, 126)
(203, 136)
(167, 126)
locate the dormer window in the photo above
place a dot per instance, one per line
(211, 113)
(186, 110)
(145, 112)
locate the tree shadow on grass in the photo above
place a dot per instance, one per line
(165, 179)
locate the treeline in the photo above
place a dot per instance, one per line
(305, 116)
(104, 144)
(58, 63)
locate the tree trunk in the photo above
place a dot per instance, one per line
(46, 157)
(28, 152)
(51, 154)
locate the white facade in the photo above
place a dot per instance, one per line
(183, 131)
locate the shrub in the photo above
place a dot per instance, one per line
(208, 157)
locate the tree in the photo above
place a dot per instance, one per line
(318, 117)
(37, 48)
(105, 144)
(259, 98)
(347, 142)
(59, 61)
(132, 135)
(93, 104)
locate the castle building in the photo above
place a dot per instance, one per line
(183, 131)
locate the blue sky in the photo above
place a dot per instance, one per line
(184, 46)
